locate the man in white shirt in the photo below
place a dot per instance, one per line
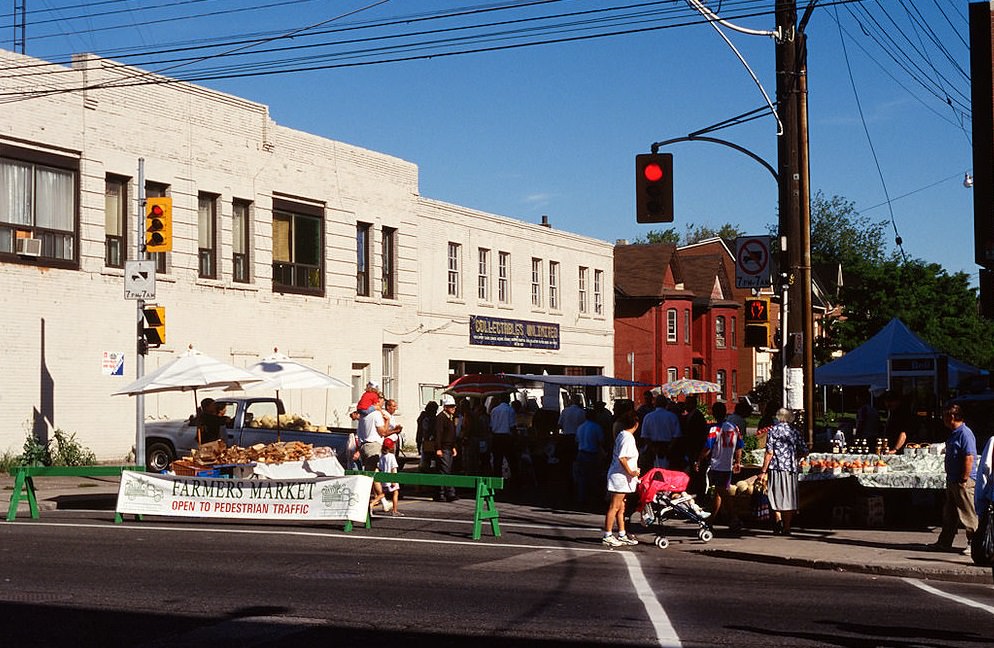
(659, 428)
(502, 422)
(372, 428)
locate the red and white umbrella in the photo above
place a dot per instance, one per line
(481, 385)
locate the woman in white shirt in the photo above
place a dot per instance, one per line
(622, 478)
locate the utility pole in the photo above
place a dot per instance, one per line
(794, 201)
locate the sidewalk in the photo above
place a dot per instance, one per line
(871, 551)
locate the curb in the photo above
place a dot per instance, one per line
(982, 575)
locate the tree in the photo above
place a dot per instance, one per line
(668, 235)
(879, 285)
(692, 234)
(728, 232)
(840, 234)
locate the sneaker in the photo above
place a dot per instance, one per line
(611, 541)
(966, 552)
(628, 539)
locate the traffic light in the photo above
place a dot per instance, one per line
(654, 188)
(155, 325)
(158, 224)
(757, 322)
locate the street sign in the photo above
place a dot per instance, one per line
(139, 279)
(752, 262)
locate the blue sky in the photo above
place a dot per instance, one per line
(553, 129)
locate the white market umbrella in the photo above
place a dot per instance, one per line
(191, 371)
(281, 372)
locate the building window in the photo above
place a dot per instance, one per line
(537, 283)
(298, 250)
(671, 374)
(454, 252)
(686, 372)
(388, 250)
(671, 326)
(720, 379)
(483, 274)
(598, 292)
(38, 201)
(686, 326)
(735, 333)
(554, 285)
(735, 383)
(719, 332)
(362, 262)
(389, 381)
(504, 277)
(207, 236)
(582, 292)
(240, 241)
(115, 221)
(156, 190)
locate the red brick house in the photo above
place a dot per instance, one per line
(676, 315)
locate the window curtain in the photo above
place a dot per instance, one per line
(15, 193)
(54, 193)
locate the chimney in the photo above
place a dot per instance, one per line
(545, 221)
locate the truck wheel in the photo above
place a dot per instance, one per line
(158, 456)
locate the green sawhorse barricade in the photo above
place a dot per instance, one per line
(484, 487)
(24, 485)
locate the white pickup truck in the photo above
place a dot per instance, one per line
(166, 441)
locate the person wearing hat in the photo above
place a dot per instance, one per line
(367, 402)
(387, 464)
(445, 445)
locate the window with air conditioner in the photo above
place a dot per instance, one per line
(38, 202)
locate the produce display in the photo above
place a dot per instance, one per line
(217, 453)
(286, 422)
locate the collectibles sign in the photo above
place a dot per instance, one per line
(494, 331)
(322, 498)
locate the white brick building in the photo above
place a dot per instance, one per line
(271, 230)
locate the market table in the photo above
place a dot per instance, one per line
(910, 489)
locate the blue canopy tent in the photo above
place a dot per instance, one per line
(866, 365)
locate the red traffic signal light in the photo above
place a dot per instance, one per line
(158, 224)
(654, 188)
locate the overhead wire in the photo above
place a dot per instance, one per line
(258, 70)
(859, 105)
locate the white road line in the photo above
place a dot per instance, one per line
(314, 534)
(665, 632)
(952, 597)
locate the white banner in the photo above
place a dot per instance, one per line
(321, 498)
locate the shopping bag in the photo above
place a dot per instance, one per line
(982, 544)
(760, 504)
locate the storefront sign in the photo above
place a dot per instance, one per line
(494, 331)
(321, 498)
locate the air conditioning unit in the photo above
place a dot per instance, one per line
(28, 247)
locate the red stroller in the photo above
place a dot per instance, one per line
(662, 496)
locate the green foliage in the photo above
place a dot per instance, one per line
(668, 235)
(35, 452)
(67, 451)
(692, 234)
(8, 460)
(62, 450)
(750, 443)
(879, 286)
(839, 234)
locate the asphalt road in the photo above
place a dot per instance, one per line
(76, 578)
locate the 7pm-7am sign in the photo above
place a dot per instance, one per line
(752, 262)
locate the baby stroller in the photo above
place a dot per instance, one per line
(662, 496)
